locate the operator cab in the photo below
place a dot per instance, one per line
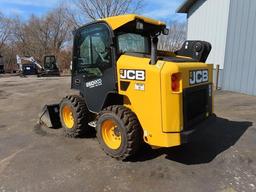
(50, 62)
(50, 66)
(97, 47)
(139, 38)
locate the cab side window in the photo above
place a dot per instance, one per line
(93, 51)
(132, 42)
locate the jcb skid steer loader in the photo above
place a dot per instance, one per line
(130, 91)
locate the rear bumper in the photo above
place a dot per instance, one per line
(188, 136)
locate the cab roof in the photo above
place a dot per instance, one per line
(118, 21)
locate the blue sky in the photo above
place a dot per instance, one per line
(159, 9)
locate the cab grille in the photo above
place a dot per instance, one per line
(197, 105)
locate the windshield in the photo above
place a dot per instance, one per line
(132, 42)
(50, 62)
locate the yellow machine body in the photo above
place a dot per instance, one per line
(158, 108)
(125, 84)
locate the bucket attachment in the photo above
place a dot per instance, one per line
(50, 116)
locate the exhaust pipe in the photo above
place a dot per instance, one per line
(154, 42)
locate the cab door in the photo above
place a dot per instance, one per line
(93, 71)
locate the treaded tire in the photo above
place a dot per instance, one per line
(81, 116)
(130, 130)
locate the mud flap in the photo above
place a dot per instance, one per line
(50, 116)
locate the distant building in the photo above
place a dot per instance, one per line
(230, 26)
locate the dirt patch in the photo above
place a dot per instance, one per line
(4, 94)
(12, 85)
(45, 131)
(2, 126)
(221, 158)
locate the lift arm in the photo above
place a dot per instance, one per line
(31, 59)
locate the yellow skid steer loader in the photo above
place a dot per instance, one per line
(130, 91)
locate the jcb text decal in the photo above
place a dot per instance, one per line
(133, 74)
(198, 76)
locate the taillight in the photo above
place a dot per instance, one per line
(176, 77)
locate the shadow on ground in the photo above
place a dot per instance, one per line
(210, 142)
(213, 140)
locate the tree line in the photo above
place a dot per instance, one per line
(51, 34)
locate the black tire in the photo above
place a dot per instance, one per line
(81, 116)
(130, 131)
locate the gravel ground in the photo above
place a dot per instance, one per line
(222, 158)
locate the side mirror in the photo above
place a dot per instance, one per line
(165, 31)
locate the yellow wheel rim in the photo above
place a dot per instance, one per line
(68, 118)
(111, 134)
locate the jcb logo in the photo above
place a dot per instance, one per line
(132, 74)
(198, 76)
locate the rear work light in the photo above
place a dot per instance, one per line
(176, 82)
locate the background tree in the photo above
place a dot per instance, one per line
(41, 36)
(176, 37)
(5, 30)
(95, 9)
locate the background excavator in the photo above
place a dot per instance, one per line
(29, 66)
